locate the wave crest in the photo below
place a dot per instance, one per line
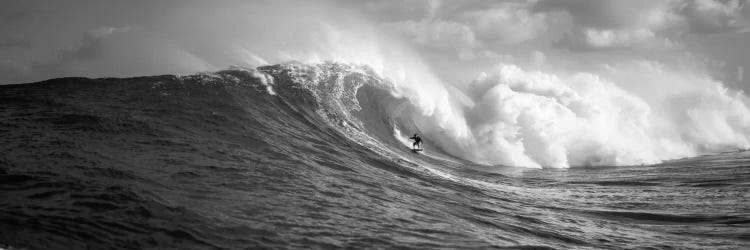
(517, 117)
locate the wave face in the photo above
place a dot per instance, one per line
(299, 156)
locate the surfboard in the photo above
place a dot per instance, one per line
(416, 150)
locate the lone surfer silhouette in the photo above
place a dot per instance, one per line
(417, 142)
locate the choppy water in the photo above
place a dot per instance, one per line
(231, 161)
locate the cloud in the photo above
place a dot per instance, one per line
(471, 29)
(594, 24)
(506, 24)
(12, 43)
(400, 10)
(607, 14)
(484, 55)
(93, 44)
(710, 16)
(611, 24)
(119, 51)
(203, 36)
(643, 24)
(436, 34)
(13, 16)
(538, 58)
(13, 72)
(595, 39)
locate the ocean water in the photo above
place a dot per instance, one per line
(315, 156)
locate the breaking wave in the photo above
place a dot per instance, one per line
(517, 117)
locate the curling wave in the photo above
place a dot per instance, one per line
(526, 118)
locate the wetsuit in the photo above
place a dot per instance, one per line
(417, 141)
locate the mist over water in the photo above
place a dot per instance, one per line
(633, 112)
(533, 118)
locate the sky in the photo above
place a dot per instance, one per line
(47, 39)
(517, 82)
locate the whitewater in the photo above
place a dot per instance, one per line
(315, 155)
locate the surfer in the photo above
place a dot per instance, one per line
(417, 141)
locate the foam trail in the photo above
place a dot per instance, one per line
(539, 119)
